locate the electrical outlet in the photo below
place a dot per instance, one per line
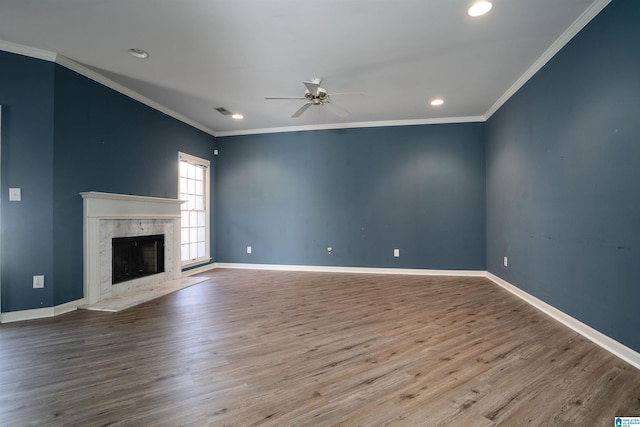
(38, 282)
(15, 195)
(396, 253)
(506, 261)
(329, 250)
(249, 249)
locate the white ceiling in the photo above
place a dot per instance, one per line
(396, 54)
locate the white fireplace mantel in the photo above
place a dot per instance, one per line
(108, 215)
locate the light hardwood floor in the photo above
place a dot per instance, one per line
(313, 349)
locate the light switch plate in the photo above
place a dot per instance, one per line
(38, 281)
(15, 195)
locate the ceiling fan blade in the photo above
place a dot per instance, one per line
(341, 112)
(312, 87)
(356, 95)
(301, 110)
(284, 97)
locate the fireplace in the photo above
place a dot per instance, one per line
(126, 219)
(135, 257)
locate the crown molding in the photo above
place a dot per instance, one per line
(27, 51)
(105, 81)
(352, 125)
(594, 9)
(97, 77)
(586, 17)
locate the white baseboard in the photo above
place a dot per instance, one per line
(196, 270)
(359, 270)
(41, 313)
(620, 350)
(623, 352)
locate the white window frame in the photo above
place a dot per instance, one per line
(0, 212)
(204, 164)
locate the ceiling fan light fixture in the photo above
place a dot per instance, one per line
(436, 102)
(479, 8)
(139, 53)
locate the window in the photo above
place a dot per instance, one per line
(193, 189)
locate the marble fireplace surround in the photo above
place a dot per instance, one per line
(109, 215)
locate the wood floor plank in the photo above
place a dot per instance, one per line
(266, 348)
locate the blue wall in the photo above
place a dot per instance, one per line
(563, 179)
(64, 134)
(562, 175)
(105, 141)
(27, 97)
(362, 192)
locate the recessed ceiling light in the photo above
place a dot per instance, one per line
(139, 53)
(479, 8)
(237, 116)
(437, 102)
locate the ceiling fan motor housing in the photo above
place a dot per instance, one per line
(320, 97)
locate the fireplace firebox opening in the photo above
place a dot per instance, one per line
(135, 257)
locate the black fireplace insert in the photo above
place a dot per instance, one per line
(135, 257)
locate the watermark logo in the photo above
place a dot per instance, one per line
(627, 422)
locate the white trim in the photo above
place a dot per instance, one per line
(141, 216)
(128, 197)
(623, 352)
(197, 270)
(206, 166)
(99, 207)
(31, 52)
(0, 214)
(363, 270)
(609, 344)
(67, 307)
(89, 73)
(194, 160)
(200, 261)
(105, 81)
(594, 9)
(41, 313)
(382, 123)
(97, 77)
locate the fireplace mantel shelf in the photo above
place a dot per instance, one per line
(111, 205)
(127, 197)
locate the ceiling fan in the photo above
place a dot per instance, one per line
(314, 95)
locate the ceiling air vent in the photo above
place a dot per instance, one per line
(223, 111)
